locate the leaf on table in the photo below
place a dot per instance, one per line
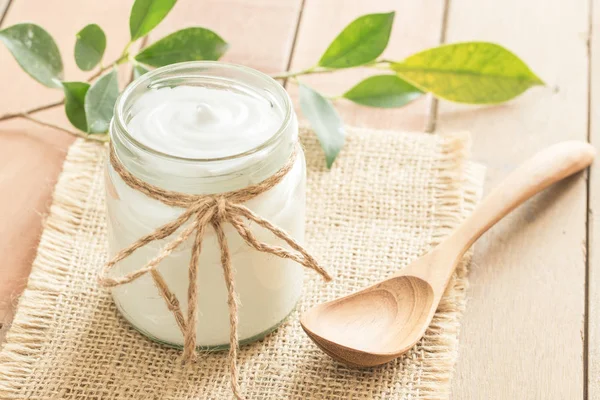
(99, 103)
(189, 44)
(139, 70)
(471, 72)
(146, 15)
(362, 41)
(89, 47)
(383, 91)
(75, 103)
(36, 52)
(324, 120)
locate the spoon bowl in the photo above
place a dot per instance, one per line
(380, 323)
(370, 327)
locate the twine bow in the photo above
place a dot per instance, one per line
(201, 211)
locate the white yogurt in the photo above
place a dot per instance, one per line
(197, 122)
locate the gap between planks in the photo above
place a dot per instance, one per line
(586, 295)
(432, 113)
(591, 357)
(4, 6)
(294, 41)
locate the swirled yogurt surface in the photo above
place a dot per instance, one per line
(202, 122)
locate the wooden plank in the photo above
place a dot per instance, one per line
(521, 336)
(31, 156)
(593, 320)
(323, 20)
(260, 32)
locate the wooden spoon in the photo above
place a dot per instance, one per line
(379, 323)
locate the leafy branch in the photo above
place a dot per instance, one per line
(470, 72)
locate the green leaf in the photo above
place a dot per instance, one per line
(139, 70)
(36, 52)
(100, 101)
(362, 41)
(74, 103)
(189, 44)
(89, 47)
(324, 120)
(383, 91)
(471, 72)
(146, 14)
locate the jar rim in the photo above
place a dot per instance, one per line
(119, 114)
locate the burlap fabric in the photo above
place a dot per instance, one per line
(389, 197)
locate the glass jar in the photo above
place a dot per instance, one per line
(268, 287)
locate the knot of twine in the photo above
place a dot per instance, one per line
(201, 211)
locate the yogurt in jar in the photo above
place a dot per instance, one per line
(200, 132)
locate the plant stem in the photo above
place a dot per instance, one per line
(98, 138)
(323, 70)
(124, 57)
(33, 110)
(308, 71)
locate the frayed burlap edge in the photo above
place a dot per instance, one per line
(25, 339)
(27, 334)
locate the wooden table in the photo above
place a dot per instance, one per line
(532, 325)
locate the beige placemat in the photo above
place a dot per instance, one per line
(389, 197)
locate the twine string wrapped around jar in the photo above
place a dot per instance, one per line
(200, 211)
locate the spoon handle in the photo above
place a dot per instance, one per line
(536, 174)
